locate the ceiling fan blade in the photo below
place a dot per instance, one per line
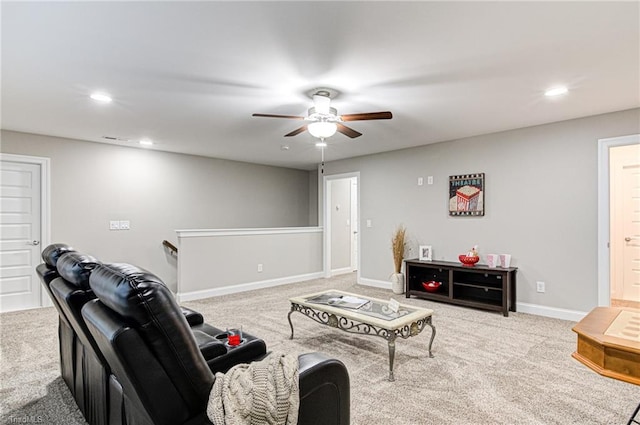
(367, 116)
(292, 117)
(296, 131)
(349, 132)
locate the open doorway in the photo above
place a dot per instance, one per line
(341, 224)
(619, 222)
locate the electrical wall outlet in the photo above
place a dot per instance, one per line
(430, 180)
(119, 225)
(540, 286)
(259, 268)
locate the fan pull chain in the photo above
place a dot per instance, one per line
(322, 155)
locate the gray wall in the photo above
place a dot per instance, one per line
(159, 192)
(540, 204)
(313, 198)
(287, 255)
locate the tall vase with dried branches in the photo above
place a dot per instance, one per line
(397, 246)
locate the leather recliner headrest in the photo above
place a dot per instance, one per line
(130, 291)
(76, 268)
(145, 304)
(52, 253)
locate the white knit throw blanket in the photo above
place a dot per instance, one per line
(260, 393)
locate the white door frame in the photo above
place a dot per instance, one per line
(45, 202)
(326, 221)
(604, 266)
(353, 225)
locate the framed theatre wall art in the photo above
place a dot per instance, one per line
(466, 195)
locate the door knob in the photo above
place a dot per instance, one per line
(34, 243)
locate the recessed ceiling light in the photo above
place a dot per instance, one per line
(101, 97)
(556, 91)
(146, 142)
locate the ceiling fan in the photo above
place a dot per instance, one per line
(324, 120)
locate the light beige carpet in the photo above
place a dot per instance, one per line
(487, 369)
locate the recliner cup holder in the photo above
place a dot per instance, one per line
(224, 336)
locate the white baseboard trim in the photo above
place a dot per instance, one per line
(244, 287)
(376, 283)
(556, 313)
(539, 310)
(343, 270)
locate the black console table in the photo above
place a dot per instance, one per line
(478, 286)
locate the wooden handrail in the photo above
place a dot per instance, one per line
(172, 247)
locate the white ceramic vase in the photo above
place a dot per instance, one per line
(397, 283)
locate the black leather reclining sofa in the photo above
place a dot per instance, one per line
(131, 356)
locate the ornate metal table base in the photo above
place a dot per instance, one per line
(635, 418)
(352, 326)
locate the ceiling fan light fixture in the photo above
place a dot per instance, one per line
(322, 129)
(321, 103)
(313, 114)
(324, 121)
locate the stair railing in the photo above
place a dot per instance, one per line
(173, 250)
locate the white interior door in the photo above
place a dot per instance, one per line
(354, 224)
(340, 218)
(631, 233)
(330, 243)
(613, 154)
(20, 234)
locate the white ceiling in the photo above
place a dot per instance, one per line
(190, 74)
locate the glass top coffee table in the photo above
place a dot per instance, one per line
(364, 315)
